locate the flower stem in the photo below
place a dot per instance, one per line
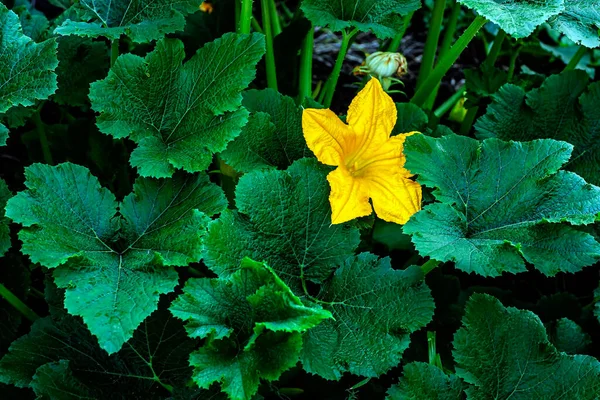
(445, 46)
(512, 63)
(41, 129)
(446, 62)
(396, 40)
(270, 56)
(114, 51)
(337, 68)
(245, 17)
(429, 266)
(276, 24)
(492, 56)
(576, 58)
(467, 123)
(431, 43)
(17, 303)
(306, 55)
(450, 29)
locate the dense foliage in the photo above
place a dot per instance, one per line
(216, 200)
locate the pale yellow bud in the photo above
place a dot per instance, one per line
(385, 64)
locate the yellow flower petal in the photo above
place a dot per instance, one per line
(372, 114)
(348, 198)
(326, 135)
(395, 199)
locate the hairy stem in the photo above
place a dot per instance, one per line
(270, 56)
(306, 55)
(429, 266)
(431, 44)
(275, 22)
(396, 40)
(447, 61)
(114, 51)
(576, 58)
(245, 17)
(337, 68)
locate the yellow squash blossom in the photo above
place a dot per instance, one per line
(370, 162)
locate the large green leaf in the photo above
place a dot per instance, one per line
(81, 61)
(505, 353)
(5, 194)
(141, 20)
(379, 16)
(26, 68)
(273, 136)
(580, 22)
(284, 219)
(518, 18)
(114, 266)
(60, 353)
(568, 337)
(253, 323)
(563, 108)
(421, 381)
(375, 309)
(500, 201)
(179, 115)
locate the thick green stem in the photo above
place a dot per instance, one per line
(17, 303)
(429, 266)
(512, 63)
(245, 17)
(492, 56)
(337, 68)
(396, 40)
(576, 58)
(270, 55)
(431, 44)
(450, 29)
(306, 56)
(467, 123)
(446, 62)
(256, 25)
(41, 130)
(434, 357)
(448, 104)
(445, 46)
(114, 51)
(276, 23)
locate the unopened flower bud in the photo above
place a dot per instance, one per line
(386, 64)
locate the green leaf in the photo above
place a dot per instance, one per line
(27, 67)
(34, 23)
(568, 337)
(421, 381)
(565, 108)
(284, 219)
(273, 136)
(5, 194)
(505, 353)
(376, 309)
(597, 305)
(179, 115)
(141, 20)
(580, 22)
(159, 349)
(518, 18)
(381, 17)
(410, 118)
(55, 381)
(252, 321)
(81, 61)
(113, 266)
(500, 201)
